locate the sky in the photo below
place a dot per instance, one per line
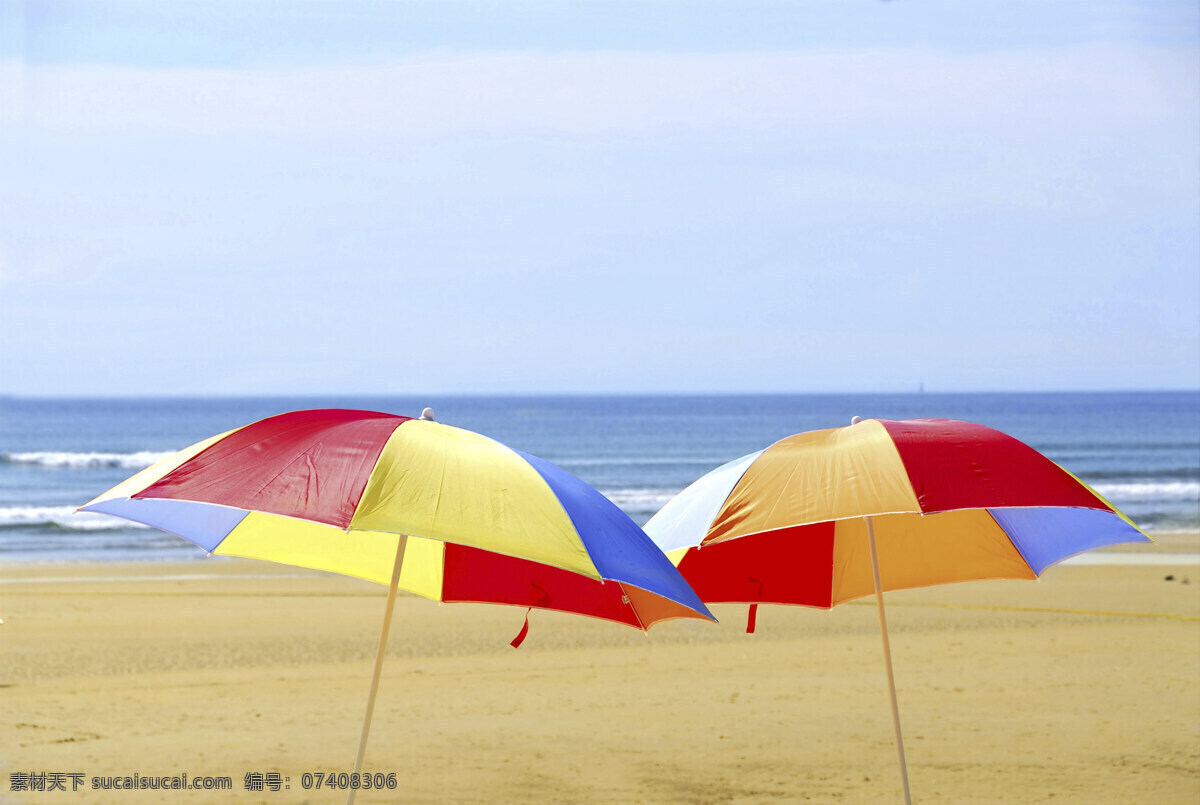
(218, 197)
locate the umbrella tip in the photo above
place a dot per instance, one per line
(854, 420)
(427, 414)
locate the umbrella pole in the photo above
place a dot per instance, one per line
(383, 636)
(887, 659)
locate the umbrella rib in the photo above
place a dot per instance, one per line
(632, 608)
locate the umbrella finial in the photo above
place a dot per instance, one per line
(427, 414)
(854, 420)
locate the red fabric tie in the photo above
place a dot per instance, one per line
(520, 638)
(752, 616)
(543, 600)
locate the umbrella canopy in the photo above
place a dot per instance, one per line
(827, 516)
(335, 489)
(436, 510)
(949, 500)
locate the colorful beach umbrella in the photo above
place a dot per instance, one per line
(432, 509)
(827, 516)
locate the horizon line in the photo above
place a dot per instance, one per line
(561, 393)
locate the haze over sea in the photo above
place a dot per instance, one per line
(1141, 450)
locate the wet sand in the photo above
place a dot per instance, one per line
(1082, 687)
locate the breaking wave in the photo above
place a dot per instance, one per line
(1142, 491)
(61, 517)
(85, 461)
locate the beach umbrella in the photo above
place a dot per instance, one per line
(827, 516)
(439, 511)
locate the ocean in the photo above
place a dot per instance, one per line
(1140, 450)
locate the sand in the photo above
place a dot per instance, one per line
(1081, 687)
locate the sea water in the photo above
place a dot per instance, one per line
(1140, 450)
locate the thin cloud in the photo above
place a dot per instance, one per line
(1036, 95)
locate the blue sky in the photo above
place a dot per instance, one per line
(453, 197)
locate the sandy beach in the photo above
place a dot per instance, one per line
(1083, 686)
